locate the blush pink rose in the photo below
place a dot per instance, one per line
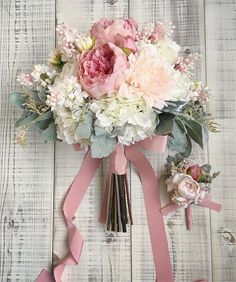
(188, 188)
(121, 32)
(194, 171)
(101, 70)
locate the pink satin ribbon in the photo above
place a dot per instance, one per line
(207, 203)
(154, 217)
(73, 199)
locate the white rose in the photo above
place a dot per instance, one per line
(169, 49)
(181, 89)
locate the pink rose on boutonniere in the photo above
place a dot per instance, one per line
(121, 32)
(101, 70)
(185, 188)
(194, 171)
(188, 188)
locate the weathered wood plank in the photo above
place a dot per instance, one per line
(100, 260)
(26, 174)
(190, 251)
(221, 73)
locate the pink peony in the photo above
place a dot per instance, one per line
(120, 32)
(101, 70)
(194, 171)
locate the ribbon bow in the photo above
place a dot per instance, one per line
(206, 202)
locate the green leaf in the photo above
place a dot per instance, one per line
(188, 150)
(42, 96)
(178, 141)
(215, 174)
(102, 145)
(181, 124)
(85, 128)
(42, 125)
(127, 51)
(194, 130)
(18, 99)
(27, 121)
(18, 122)
(35, 96)
(50, 133)
(177, 158)
(45, 116)
(166, 123)
(206, 168)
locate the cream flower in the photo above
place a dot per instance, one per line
(151, 75)
(128, 119)
(168, 49)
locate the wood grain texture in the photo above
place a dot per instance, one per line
(26, 174)
(221, 77)
(100, 260)
(32, 226)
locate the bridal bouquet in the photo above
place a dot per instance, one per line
(114, 90)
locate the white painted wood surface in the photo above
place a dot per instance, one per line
(34, 180)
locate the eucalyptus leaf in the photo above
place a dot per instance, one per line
(42, 96)
(178, 141)
(18, 122)
(188, 150)
(35, 96)
(45, 116)
(18, 99)
(206, 168)
(28, 121)
(42, 125)
(181, 124)
(102, 145)
(215, 174)
(194, 130)
(50, 134)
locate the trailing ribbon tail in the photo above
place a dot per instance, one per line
(154, 216)
(73, 199)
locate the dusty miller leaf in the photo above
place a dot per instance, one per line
(102, 145)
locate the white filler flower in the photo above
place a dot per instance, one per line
(68, 104)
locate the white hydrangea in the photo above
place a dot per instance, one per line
(128, 119)
(67, 101)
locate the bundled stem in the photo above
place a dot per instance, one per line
(119, 207)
